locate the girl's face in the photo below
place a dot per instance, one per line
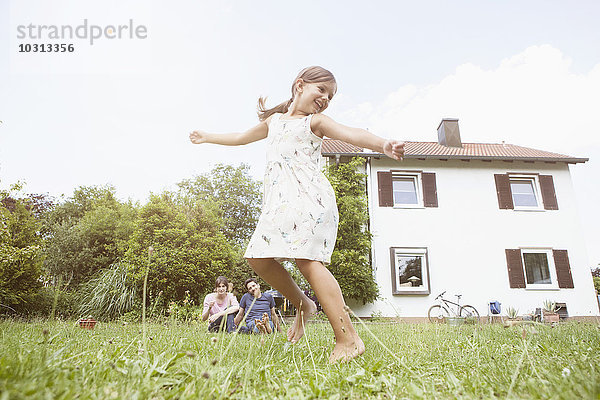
(222, 288)
(314, 98)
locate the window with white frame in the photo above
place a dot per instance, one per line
(525, 192)
(410, 270)
(539, 269)
(406, 189)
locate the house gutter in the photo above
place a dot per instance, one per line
(463, 157)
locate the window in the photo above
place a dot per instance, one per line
(539, 268)
(410, 270)
(405, 189)
(525, 193)
(536, 269)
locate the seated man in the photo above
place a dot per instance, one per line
(259, 314)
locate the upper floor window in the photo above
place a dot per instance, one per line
(407, 189)
(526, 192)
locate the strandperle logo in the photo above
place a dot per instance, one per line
(86, 31)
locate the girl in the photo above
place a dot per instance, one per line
(299, 215)
(220, 307)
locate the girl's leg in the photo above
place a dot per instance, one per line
(278, 277)
(347, 343)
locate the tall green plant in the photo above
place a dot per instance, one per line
(109, 295)
(350, 262)
(20, 250)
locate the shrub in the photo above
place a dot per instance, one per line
(109, 295)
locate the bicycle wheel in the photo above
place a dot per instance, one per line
(470, 313)
(437, 314)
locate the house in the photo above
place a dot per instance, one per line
(492, 222)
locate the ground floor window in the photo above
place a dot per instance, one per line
(410, 270)
(538, 265)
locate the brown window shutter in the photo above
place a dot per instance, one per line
(548, 192)
(505, 200)
(516, 276)
(429, 189)
(563, 269)
(386, 193)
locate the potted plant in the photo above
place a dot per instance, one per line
(512, 313)
(550, 311)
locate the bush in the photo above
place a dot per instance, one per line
(189, 252)
(109, 295)
(350, 261)
(20, 252)
(41, 303)
(185, 312)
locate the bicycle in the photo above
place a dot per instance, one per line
(438, 313)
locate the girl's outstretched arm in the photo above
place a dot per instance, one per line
(322, 125)
(259, 132)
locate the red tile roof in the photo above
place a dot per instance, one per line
(470, 151)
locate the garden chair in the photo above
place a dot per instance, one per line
(495, 309)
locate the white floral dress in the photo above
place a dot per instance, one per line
(299, 214)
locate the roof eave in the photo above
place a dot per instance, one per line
(570, 160)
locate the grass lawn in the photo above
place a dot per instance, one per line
(59, 360)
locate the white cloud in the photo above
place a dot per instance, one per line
(531, 99)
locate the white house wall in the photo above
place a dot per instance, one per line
(466, 237)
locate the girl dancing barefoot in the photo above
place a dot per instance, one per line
(299, 214)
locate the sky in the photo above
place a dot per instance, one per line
(118, 111)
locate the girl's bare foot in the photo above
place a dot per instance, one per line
(303, 314)
(343, 352)
(266, 323)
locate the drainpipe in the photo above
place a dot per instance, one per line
(370, 212)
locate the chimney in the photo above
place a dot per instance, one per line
(448, 133)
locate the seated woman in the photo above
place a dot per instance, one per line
(220, 304)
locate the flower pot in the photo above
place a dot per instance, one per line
(551, 317)
(87, 323)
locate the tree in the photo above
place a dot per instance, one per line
(87, 233)
(350, 262)
(20, 250)
(189, 250)
(596, 277)
(236, 194)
